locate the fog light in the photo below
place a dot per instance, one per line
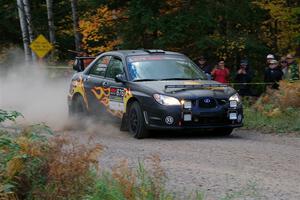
(233, 104)
(187, 104)
(169, 120)
(239, 118)
(187, 117)
(232, 116)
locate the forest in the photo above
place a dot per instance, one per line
(230, 29)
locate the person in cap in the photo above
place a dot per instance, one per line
(269, 58)
(273, 74)
(202, 64)
(244, 75)
(293, 69)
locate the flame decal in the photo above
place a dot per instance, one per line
(127, 96)
(102, 94)
(78, 87)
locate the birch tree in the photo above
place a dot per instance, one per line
(51, 21)
(51, 25)
(24, 30)
(29, 24)
(76, 24)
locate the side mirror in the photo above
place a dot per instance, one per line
(78, 65)
(120, 78)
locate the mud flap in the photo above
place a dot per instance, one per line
(124, 123)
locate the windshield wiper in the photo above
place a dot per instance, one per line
(177, 88)
(145, 79)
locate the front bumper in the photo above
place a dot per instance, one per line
(156, 115)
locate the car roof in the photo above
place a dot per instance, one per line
(142, 52)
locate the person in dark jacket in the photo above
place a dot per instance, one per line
(202, 64)
(244, 75)
(273, 74)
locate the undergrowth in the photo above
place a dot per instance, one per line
(37, 164)
(276, 111)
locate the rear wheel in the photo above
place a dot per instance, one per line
(136, 122)
(78, 107)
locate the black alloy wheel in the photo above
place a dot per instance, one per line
(79, 107)
(136, 121)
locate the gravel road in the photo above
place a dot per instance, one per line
(247, 164)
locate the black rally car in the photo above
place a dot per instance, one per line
(154, 89)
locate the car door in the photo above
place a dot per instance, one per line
(96, 89)
(117, 89)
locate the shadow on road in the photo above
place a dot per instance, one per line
(187, 134)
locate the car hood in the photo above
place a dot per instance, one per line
(189, 89)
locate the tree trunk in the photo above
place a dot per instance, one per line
(76, 25)
(24, 30)
(29, 25)
(51, 21)
(51, 25)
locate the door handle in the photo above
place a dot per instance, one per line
(105, 84)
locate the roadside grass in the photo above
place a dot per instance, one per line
(287, 121)
(250, 191)
(276, 111)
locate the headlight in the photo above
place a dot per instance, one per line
(235, 97)
(166, 100)
(234, 100)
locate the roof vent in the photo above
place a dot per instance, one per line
(154, 50)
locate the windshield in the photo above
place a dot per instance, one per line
(162, 67)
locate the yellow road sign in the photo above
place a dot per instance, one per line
(41, 46)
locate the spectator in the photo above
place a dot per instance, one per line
(244, 75)
(293, 70)
(269, 58)
(284, 67)
(202, 64)
(220, 73)
(273, 74)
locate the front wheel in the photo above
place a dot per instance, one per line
(136, 122)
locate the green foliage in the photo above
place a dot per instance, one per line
(9, 115)
(21, 160)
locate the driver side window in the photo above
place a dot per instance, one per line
(100, 66)
(114, 68)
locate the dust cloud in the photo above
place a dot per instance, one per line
(33, 91)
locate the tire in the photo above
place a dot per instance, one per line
(78, 107)
(223, 131)
(136, 123)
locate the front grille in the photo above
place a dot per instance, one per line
(198, 121)
(207, 103)
(222, 102)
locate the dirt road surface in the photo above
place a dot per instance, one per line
(246, 165)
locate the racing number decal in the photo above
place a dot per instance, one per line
(116, 101)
